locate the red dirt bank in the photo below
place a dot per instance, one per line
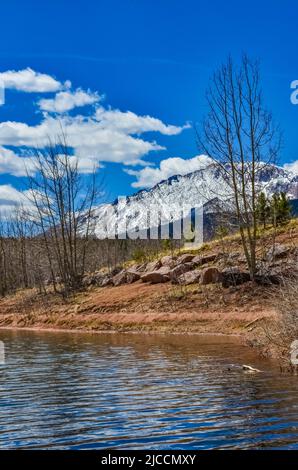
(160, 307)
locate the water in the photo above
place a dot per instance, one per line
(83, 391)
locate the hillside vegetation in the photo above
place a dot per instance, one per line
(247, 309)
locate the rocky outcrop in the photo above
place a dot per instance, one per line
(159, 276)
(279, 262)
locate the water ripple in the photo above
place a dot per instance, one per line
(77, 391)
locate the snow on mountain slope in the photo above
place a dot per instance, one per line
(170, 196)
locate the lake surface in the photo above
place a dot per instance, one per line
(84, 391)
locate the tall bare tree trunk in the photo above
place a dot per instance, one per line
(240, 137)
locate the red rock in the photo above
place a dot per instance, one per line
(120, 278)
(132, 276)
(181, 269)
(169, 261)
(210, 275)
(190, 277)
(153, 266)
(200, 260)
(159, 276)
(185, 258)
(106, 281)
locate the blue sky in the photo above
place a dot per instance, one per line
(131, 61)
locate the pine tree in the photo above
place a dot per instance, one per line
(263, 209)
(284, 208)
(280, 209)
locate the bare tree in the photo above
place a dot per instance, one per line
(239, 135)
(62, 200)
(279, 338)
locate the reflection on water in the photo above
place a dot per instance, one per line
(83, 391)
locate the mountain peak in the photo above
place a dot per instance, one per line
(195, 189)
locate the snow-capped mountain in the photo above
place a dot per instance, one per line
(171, 199)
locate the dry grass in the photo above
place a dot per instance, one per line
(277, 337)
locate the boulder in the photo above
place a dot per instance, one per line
(126, 277)
(209, 276)
(181, 269)
(276, 251)
(268, 279)
(197, 260)
(200, 260)
(190, 277)
(116, 270)
(106, 280)
(158, 276)
(169, 261)
(88, 280)
(132, 276)
(141, 267)
(153, 266)
(209, 258)
(137, 268)
(120, 278)
(185, 258)
(92, 279)
(233, 277)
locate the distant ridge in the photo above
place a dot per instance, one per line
(194, 189)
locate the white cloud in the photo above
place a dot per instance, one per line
(293, 167)
(131, 123)
(10, 198)
(10, 194)
(11, 163)
(110, 135)
(86, 165)
(30, 81)
(148, 177)
(92, 139)
(66, 100)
